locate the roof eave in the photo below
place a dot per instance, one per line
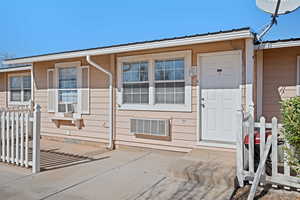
(15, 69)
(279, 44)
(136, 47)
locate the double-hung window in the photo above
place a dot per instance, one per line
(155, 82)
(67, 90)
(19, 89)
(169, 81)
(135, 83)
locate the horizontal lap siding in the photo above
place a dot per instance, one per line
(183, 124)
(96, 125)
(279, 78)
(2, 90)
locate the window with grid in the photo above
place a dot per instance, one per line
(169, 81)
(67, 90)
(20, 89)
(135, 83)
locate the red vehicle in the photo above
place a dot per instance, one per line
(257, 150)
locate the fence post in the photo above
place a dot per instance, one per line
(274, 147)
(239, 149)
(36, 139)
(251, 145)
(262, 131)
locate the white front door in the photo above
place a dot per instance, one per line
(220, 79)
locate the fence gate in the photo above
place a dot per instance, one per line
(20, 137)
(277, 171)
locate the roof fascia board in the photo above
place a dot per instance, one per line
(15, 69)
(136, 47)
(270, 45)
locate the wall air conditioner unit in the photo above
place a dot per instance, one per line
(152, 127)
(68, 109)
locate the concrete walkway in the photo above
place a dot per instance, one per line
(120, 174)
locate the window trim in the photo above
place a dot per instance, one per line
(22, 102)
(187, 107)
(56, 86)
(298, 76)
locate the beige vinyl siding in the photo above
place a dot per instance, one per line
(279, 78)
(95, 126)
(3, 90)
(183, 124)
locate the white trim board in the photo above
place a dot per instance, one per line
(259, 82)
(135, 47)
(249, 75)
(15, 69)
(278, 44)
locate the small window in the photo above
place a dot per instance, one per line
(135, 83)
(169, 82)
(20, 89)
(67, 90)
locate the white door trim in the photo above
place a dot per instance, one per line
(259, 84)
(199, 110)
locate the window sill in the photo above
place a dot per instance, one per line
(16, 103)
(153, 137)
(157, 107)
(78, 122)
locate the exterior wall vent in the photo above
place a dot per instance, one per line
(152, 127)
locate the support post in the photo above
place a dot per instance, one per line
(239, 149)
(249, 75)
(36, 139)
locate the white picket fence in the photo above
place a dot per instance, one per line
(20, 137)
(245, 158)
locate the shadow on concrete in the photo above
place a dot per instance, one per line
(202, 181)
(53, 159)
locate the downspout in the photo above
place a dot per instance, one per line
(110, 76)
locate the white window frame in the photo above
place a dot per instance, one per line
(22, 102)
(151, 58)
(298, 76)
(56, 74)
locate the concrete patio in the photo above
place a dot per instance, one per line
(126, 173)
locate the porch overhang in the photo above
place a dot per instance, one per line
(294, 42)
(163, 43)
(15, 69)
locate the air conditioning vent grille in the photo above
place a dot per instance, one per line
(153, 127)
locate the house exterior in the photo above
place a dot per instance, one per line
(171, 94)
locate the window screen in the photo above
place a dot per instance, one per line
(169, 81)
(135, 83)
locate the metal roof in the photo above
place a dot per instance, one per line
(135, 43)
(280, 40)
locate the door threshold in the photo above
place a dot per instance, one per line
(217, 144)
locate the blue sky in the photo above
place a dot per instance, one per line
(42, 26)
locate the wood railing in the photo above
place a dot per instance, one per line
(280, 172)
(20, 137)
